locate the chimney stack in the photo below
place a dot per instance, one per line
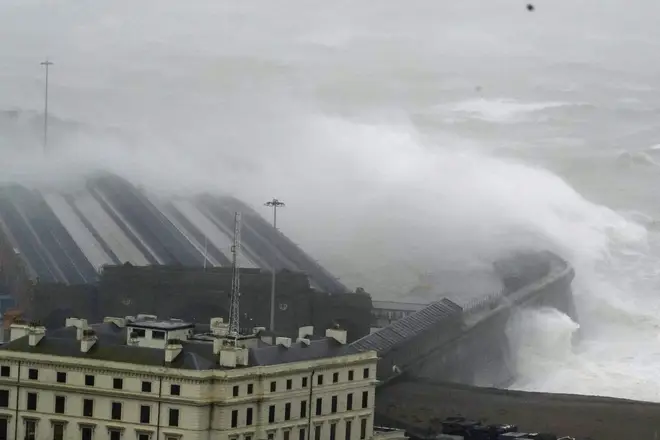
(35, 334)
(306, 332)
(119, 322)
(87, 340)
(172, 350)
(18, 329)
(284, 342)
(336, 334)
(79, 324)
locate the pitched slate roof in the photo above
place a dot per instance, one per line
(111, 346)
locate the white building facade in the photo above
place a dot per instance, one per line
(80, 384)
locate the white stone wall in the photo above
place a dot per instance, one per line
(205, 403)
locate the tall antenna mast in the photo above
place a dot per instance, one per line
(46, 64)
(235, 280)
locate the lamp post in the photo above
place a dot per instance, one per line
(46, 64)
(273, 204)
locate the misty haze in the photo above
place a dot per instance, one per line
(414, 144)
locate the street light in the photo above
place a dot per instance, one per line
(47, 64)
(273, 204)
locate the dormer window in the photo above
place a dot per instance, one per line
(157, 334)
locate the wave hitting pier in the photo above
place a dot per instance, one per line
(468, 345)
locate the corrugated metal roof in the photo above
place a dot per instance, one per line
(408, 327)
(68, 237)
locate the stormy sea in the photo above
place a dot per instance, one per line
(413, 142)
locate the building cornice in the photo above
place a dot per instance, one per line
(147, 371)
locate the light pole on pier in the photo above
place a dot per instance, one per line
(46, 64)
(273, 204)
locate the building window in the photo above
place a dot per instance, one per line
(289, 384)
(350, 375)
(5, 371)
(333, 405)
(333, 431)
(58, 431)
(335, 377)
(363, 429)
(146, 387)
(89, 380)
(273, 387)
(234, 418)
(319, 380)
(118, 383)
(317, 432)
(271, 436)
(86, 433)
(30, 429)
(32, 401)
(349, 402)
(303, 409)
(319, 406)
(271, 414)
(365, 399)
(145, 413)
(138, 332)
(248, 417)
(115, 434)
(175, 390)
(235, 393)
(156, 334)
(174, 417)
(286, 434)
(144, 436)
(61, 377)
(250, 388)
(60, 403)
(115, 412)
(287, 411)
(349, 428)
(304, 382)
(4, 398)
(33, 374)
(247, 437)
(88, 408)
(301, 434)
(365, 373)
